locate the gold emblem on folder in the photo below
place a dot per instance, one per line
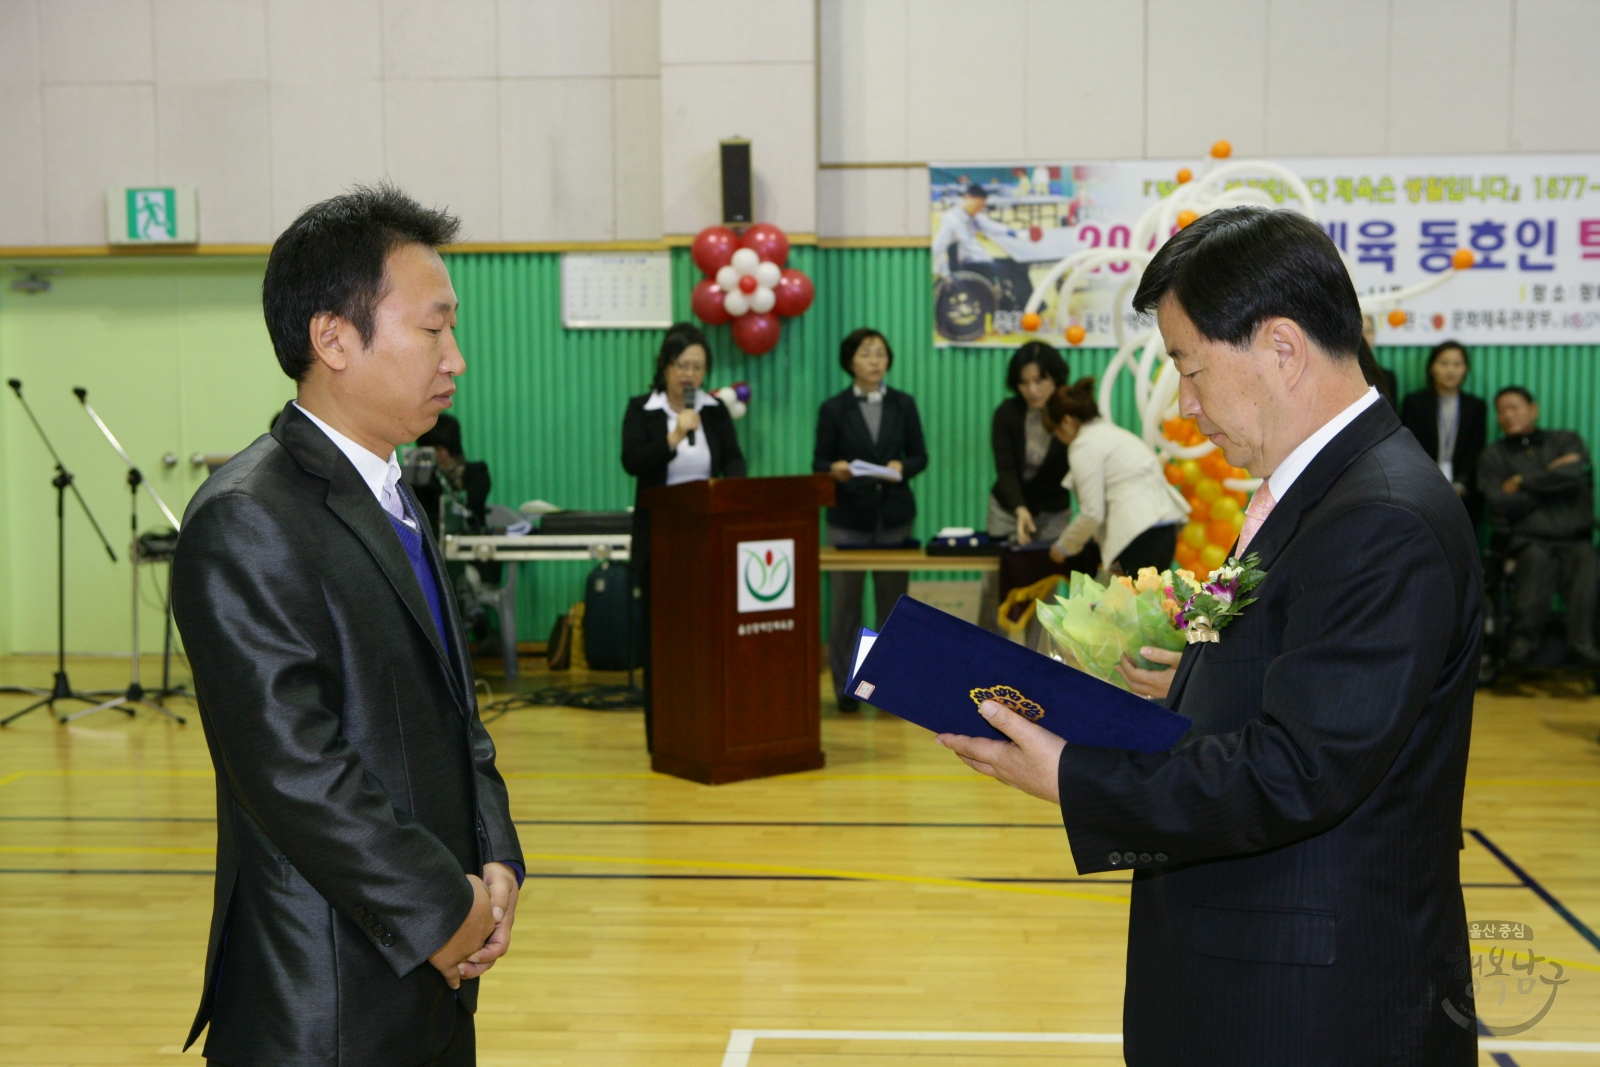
(1008, 697)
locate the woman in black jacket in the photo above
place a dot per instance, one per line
(675, 433)
(871, 422)
(1028, 503)
(1451, 426)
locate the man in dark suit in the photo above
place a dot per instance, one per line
(367, 865)
(1296, 895)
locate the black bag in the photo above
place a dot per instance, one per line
(609, 599)
(587, 522)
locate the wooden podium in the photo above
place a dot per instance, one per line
(734, 648)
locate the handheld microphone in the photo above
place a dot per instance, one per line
(688, 405)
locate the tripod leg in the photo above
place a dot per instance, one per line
(174, 716)
(36, 705)
(119, 702)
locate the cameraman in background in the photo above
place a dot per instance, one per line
(454, 493)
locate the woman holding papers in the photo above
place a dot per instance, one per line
(869, 437)
(675, 433)
(1124, 502)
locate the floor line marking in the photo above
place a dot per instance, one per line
(741, 1043)
(861, 876)
(1543, 893)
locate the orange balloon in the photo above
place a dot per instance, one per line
(1031, 321)
(1076, 334)
(1213, 556)
(1173, 474)
(1220, 532)
(1185, 175)
(1214, 464)
(1397, 318)
(1221, 150)
(1173, 429)
(1193, 535)
(1187, 557)
(1185, 217)
(1200, 511)
(1239, 497)
(1463, 259)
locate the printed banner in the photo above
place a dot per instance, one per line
(1532, 222)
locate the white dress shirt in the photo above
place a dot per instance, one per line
(381, 475)
(1298, 460)
(691, 462)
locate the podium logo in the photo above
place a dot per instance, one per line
(765, 575)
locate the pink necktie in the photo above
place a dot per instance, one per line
(1254, 515)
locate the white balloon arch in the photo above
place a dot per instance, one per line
(1144, 354)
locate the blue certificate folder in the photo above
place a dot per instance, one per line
(931, 668)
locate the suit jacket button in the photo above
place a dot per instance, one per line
(1144, 857)
(361, 913)
(1129, 857)
(388, 940)
(379, 931)
(1115, 858)
(1161, 857)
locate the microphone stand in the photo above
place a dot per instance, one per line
(136, 694)
(62, 690)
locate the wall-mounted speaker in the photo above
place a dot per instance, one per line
(738, 189)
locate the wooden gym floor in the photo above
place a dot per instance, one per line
(858, 915)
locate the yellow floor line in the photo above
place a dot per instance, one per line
(109, 850)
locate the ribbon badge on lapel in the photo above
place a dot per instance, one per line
(1008, 697)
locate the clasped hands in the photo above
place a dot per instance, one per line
(485, 934)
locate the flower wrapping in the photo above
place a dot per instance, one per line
(1099, 624)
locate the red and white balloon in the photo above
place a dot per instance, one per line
(746, 284)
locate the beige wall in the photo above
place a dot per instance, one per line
(533, 119)
(742, 68)
(914, 81)
(551, 120)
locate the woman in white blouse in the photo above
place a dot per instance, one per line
(1124, 501)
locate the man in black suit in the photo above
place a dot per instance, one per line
(1296, 895)
(367, 865)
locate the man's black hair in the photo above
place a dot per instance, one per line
(332, 259)
(976, 190)
(854, 340)
(1520, 390)
(679, 336)
(1046, 356)
(1234, 269)
(446, 434)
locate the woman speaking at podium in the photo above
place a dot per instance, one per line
(673, 434)
(869, 437)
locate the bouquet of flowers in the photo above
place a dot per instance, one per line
(1099, 624)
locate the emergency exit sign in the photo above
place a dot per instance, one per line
(152, 215)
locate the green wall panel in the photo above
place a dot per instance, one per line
(176, 356)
